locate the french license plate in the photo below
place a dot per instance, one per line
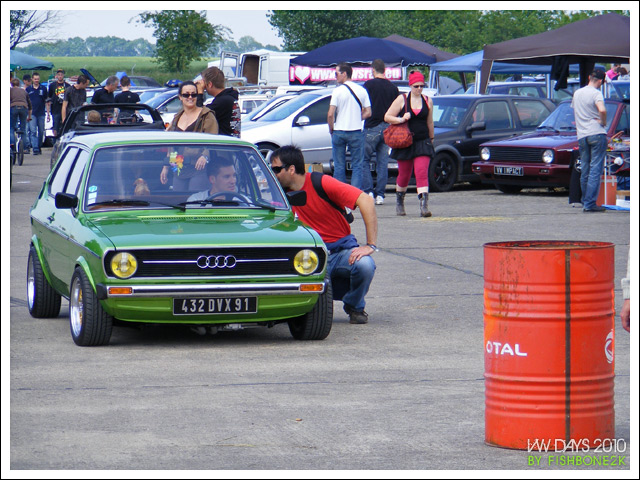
(515, 171)
(215, 305)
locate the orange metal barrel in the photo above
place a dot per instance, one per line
(548, 344)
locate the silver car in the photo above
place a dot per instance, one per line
(302, 121)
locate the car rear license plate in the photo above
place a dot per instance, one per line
(515, 171)
(215, 305)
(372, 166)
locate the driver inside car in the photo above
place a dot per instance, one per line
(222, 176)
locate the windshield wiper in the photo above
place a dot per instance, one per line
(546, 127)
(133, 202)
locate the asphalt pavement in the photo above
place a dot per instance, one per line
(402, 393)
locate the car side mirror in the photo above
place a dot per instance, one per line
(475, 126)
(66, 200)
(297, 198)
(303, 121)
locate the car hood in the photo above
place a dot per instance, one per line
(194, 229)
(542, 139)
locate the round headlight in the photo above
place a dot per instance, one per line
(124, 265)
(547, 156)
(305, 262)
(485, 154)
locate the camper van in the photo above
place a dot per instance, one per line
(259, 67)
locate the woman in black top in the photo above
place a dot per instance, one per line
(417, 112)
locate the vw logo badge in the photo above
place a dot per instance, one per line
(216, 261)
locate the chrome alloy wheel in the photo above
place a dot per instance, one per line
(76, 307)
(31, 285)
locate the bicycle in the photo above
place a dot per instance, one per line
(17, 153)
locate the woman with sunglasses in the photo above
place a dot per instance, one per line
(417, 111)
(190, 173)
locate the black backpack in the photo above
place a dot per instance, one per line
(316, 180)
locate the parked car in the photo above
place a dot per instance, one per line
(110, 117)
(463, 122)
(301, 121)
(546, 157)
(124, 248)
(619, 89)
(533, 88)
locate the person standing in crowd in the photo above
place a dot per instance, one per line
(225, 104)
(591, 121)
(38, 96)
(350, 266)
(55, 100)
(126, 96)
(349, 106)
(19, 108)
(612, 73)
(382, 93)
(26, 83)
(417, 111)
(190, 174)
(105, 94)
(75, 96)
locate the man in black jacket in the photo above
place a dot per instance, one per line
(225, 104)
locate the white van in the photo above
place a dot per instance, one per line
(259, 67)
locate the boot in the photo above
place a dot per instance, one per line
(400, 204)
(424, 208)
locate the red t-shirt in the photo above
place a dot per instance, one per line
(322, 217)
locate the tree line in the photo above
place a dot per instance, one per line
(455, 31)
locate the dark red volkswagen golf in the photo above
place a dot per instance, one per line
(546, 157)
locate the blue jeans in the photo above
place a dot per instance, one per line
(18, 114)
(374, 142)
(592, 151)
(359, 276)
(36, 129)
(340, 140)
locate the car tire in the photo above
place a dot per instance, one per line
(266, 148)
(315, 325)
(509, 189)
(443, 173)
(43, 301)
(90, 324)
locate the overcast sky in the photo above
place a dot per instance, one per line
(113, 19)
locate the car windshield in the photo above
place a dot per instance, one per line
(562, 119)
(449, 112)
(266, 107)
(290, 107)
(620, 90)
(129, 176)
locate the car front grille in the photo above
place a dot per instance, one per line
(216, 262)
(512, 154)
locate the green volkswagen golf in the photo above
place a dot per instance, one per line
(173, 228)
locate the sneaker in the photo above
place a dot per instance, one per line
(355, 317)
(597, 208)
(379, 200)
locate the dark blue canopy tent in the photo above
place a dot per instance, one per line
(359, 52)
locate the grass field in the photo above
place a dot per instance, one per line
(102, 67)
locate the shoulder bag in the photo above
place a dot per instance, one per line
(398, 135)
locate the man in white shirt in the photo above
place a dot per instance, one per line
(591, 121)
(349, 107)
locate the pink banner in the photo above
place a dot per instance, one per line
(303, 74)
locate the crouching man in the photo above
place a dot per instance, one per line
(350, 265)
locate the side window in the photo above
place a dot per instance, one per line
(317, 112)
(496, 115)
(531, 113)
(59, 180)
(624, 122)
(76, 173)
(174, 105)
